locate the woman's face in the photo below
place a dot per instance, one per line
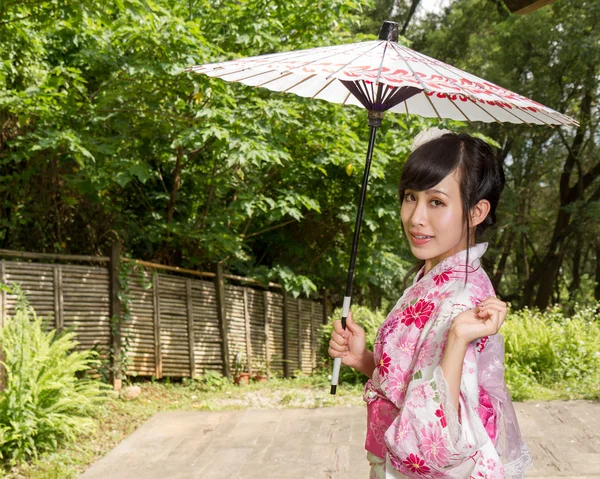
(436, 214)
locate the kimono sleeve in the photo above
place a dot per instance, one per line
(429, 436)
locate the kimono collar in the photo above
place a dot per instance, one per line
(475, 252)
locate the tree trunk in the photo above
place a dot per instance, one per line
(597, 288)
(546, 272)
(174, 190)
(411, 13)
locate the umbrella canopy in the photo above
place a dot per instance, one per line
(384, 75)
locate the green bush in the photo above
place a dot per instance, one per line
(551, 356)
(369, 321)
(44, 404)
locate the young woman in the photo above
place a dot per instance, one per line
(436, 399)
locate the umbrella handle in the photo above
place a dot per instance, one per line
(374, 123)
(337, 362)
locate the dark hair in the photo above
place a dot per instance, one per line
(481, 176)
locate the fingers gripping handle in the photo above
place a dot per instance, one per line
(337, 362)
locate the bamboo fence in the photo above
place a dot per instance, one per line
(180, 324)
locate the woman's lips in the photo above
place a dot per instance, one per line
(419, 241)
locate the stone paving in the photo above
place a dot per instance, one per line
(564, 439)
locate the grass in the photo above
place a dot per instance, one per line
(118, 418)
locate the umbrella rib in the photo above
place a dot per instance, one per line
(360, 45)
(458, 108)
(347, 96)
(354, 59)
(461, 89)
(533, 116)
(325, 86)
(381, 63)
(281, 75)
(432, 105)
(409, 67)
(252, 76)
(490, 92)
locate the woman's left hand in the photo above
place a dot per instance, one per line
(485, 320)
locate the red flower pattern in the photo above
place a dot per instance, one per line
(443, 277)
(416, 464)
(417, 313)
(384, 364)
(440, 413)
(481, 344)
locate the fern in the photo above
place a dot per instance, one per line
(44, 402)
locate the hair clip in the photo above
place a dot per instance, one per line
(427, 135)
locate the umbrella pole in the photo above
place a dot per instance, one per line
(375, 118)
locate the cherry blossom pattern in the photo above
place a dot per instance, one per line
(420, 395)
(434, 445)
(426, 354)
(418, 313)
(404, 346)
(396, 385)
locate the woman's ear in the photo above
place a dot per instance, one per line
(479, 212)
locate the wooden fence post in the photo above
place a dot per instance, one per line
(2, 314)
(325, 306)
(222, 314)
(286, 355)
(157, 346)
(267, 306)
(190, 313)
(248, 332)
(58, 298)
(300, 339)
(115, 314)
(313, 335)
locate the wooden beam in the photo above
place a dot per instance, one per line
(115, 314)
(64, 257)
(222, 315)
(157, 346)
(267, 307)
(190, 314)
(286, 348)
(248, 333)
(523, 7)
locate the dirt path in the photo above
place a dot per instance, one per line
(564, 439)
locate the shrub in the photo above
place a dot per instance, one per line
(550, 355)
(44, 403)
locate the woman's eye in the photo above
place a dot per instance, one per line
(437, 203)
(408, 197)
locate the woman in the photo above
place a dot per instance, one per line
(436, 397)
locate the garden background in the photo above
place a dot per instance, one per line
(106, 139)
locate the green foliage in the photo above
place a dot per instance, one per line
(369, 321)
(551, 355)
(44, 403)
(210, 381)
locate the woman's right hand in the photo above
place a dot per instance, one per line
(348, 344)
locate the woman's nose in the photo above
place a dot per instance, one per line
(419, 214)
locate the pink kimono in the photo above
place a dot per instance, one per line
(412, 421)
